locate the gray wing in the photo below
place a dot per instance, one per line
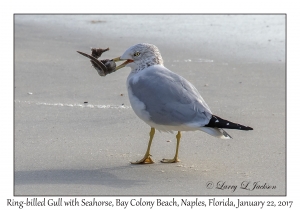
(170, 99)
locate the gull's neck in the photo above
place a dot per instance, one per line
(147, 62)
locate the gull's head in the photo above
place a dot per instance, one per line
(140, 56)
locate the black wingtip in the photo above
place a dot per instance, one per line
(217, 122)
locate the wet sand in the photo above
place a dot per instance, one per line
(64, 146)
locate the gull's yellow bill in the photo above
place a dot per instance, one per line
(123, 64)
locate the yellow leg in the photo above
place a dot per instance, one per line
(147, 156)
(175, 159)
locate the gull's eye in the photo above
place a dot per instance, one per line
(136, 54)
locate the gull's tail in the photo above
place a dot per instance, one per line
(215, 125)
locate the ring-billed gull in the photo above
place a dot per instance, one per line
(167, 101)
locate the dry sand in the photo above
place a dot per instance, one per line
(66, 147)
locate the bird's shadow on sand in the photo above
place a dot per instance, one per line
(103, 176)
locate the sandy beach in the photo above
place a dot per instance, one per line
(63, 146)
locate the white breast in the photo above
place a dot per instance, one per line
(138, 106)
